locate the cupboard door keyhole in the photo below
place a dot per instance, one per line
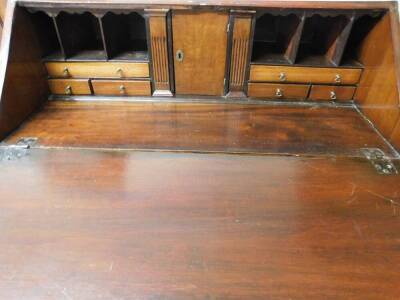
(179, 55)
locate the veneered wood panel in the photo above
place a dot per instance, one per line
(179, 4)
(278, 91)
(203, 127)
(324, 92)
(239, 53)
(70, 86)
(202, 37)
(24, 86)
(395, 136)
(261, 73)
(97, 69)
(3, 5)
(113, 224)
(159, 53)
(377, 93)
(121, 87)
(343, 28)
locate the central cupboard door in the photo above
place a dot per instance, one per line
(199, 43)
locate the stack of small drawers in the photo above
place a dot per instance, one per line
(302, 83)
(99, 78)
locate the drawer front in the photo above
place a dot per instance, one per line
(121, 87)
(332, 93)
(97, 70)
(262, 73)
(278, 91)
(69, 86)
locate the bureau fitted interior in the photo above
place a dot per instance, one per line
(309, 55)
(328, 60)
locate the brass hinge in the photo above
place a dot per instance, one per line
(228, 27)
(382, 164)
(17, 150)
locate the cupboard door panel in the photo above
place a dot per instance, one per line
(200, 47)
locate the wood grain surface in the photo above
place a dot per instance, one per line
(278, 91)
(69, 86)
(23, 84)
(134, 225)
(202, 127)
(203, 43)
(121, 87)
(378, 93)
(263, 73)
(323, 92)
(97, 69)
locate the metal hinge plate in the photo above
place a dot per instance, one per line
(382, 164)
(17, 150)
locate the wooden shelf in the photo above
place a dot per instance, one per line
(132, 56)
(262, 55)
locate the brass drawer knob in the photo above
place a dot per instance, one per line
(333, 95)
(122, 89)
(338, 78)
(120, 73)
(279, 93)
(282, 76)
(66, 72)
(68, 90)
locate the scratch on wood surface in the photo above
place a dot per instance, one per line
(357, 229)
(394, 204)
(111, 267)
(352, 196)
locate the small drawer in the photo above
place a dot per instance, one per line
(278, 91)
(263, 73)
(121, 87)
(69, 86)
(332, 92)
(97, 69)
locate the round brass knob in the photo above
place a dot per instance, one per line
(279, 93)
(122, 89)
(282, 76)
(333, 95)
(66, 72)
(338, 78)
(120, 73)
(68, 90)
